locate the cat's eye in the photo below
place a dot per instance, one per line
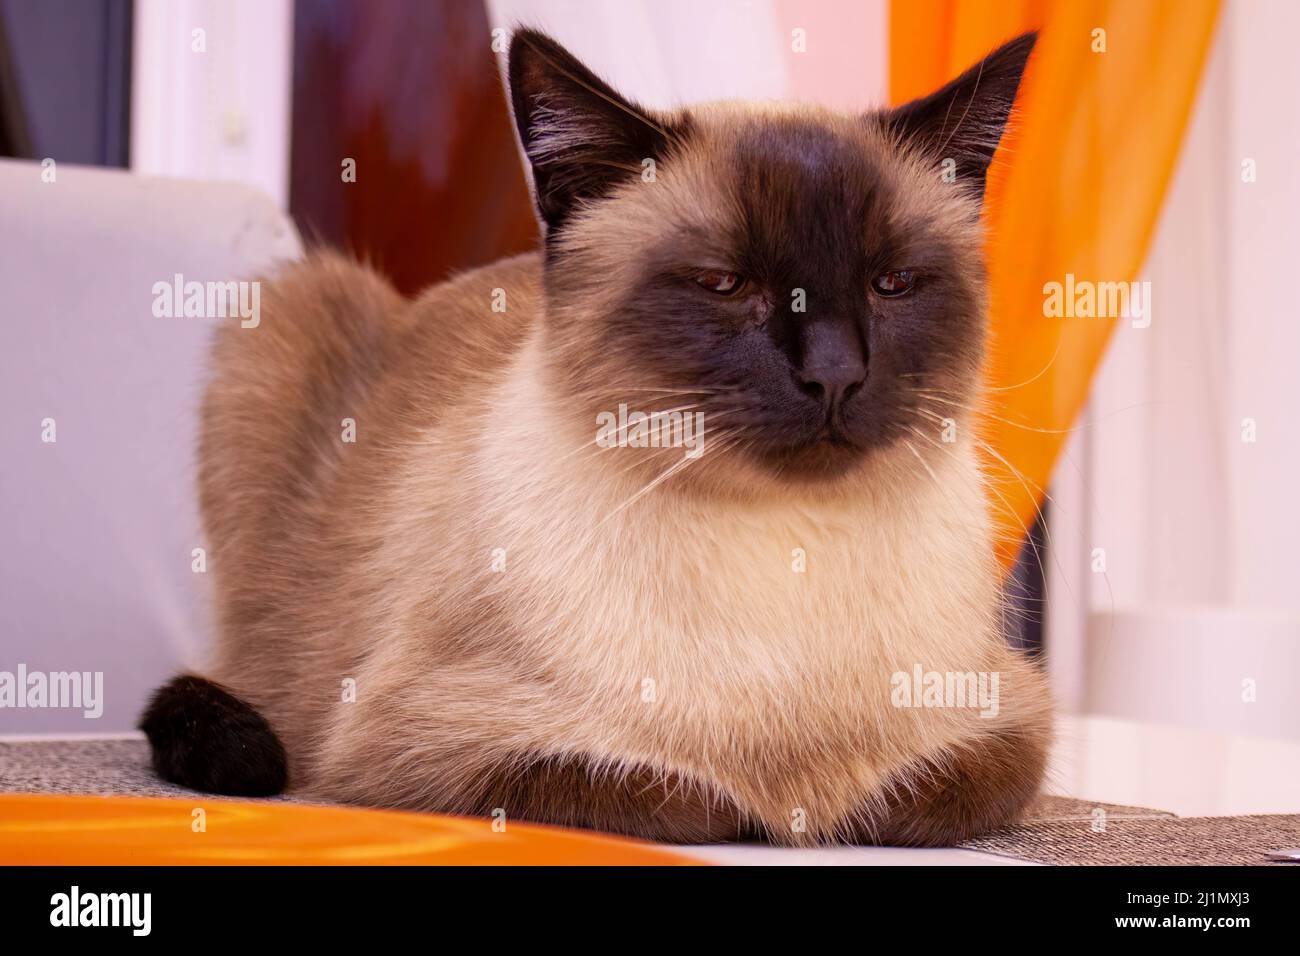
(719, 282)
(891, 284)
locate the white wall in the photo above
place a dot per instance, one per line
(671, 52)
(223, 113)
(1199, 528)
(1263, 265)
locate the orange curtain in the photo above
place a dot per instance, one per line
(1075, 189)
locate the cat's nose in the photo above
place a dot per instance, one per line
(832, 385)
(834, 367)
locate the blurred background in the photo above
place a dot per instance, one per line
(1145, 466)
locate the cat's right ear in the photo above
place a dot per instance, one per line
(963, 122)
(580, 136)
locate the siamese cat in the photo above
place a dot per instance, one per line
(674, 529)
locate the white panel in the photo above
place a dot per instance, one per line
(222, 113)
(1200, 601)
(1261, 269)
(664, 53)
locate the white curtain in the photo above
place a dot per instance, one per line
(669, 52)
(1198, 610)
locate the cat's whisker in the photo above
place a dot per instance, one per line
(928, 470)
(984, 412)
(636, 460)
(990, 450)
(1029, 381)
(602, 435)
(672, 470)
(1026, 534)
(1047, 532)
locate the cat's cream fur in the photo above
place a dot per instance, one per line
(527, 627)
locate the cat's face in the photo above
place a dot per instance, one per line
(809, 283)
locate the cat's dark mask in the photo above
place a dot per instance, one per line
(810, 281)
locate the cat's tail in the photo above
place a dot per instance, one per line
(205, 738)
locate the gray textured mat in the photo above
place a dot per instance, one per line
(102, 767)
(1056, 830)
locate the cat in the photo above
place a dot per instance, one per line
(443, 584)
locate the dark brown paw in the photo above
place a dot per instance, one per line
(973, 790)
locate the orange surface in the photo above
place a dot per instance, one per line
(1076, 188)
(139, 831)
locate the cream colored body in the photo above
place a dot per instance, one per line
(474, 607)
(472, 563)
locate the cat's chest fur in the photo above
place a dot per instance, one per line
(710, 626)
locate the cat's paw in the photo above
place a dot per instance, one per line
(980, 786)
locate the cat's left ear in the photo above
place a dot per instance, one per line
(964, 120)
(581, 137)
